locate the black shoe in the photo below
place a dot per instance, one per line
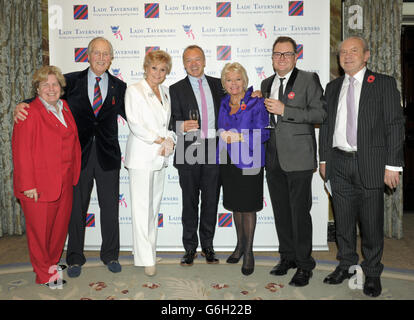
(301, 278)
(248, 264)
(372, 286)
(338, 276)
(74, 270)
(234, 258)
(282, 267)
(188, 259)
(210, 255)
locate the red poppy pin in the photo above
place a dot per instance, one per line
(243, 106)
(371, 79)
(291, 95)
(113, 100)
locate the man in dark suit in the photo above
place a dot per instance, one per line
(197, 169)
(96, 98)
(361, 148)
(294, 98)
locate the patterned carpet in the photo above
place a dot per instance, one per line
(199, 282)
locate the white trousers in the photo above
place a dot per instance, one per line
(146, 189)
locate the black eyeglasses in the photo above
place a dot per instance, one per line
(278, 55)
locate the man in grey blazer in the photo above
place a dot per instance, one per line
(361, 151)
(294, 98)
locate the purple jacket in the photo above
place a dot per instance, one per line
(250, 120)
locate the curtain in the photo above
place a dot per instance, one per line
(379, 22)
(20, 56)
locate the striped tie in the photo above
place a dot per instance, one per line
(97, 97)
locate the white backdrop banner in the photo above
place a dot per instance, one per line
(235, 31)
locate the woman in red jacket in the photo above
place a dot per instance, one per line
(46, 158)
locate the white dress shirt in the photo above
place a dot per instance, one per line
(57, 113)
(274, 91)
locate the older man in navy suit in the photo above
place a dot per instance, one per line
(361, 152)
(95, 98)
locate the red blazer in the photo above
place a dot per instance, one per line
(37, 146)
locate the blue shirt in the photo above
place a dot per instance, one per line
(210, 103)
(250, 120)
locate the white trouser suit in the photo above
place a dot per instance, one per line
(148, 120)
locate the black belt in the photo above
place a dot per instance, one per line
(350, 154)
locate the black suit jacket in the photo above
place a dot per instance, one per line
(104, 127)
(380, 135)
(182, 101)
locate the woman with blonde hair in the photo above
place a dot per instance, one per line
(241, 155)
(150, 143)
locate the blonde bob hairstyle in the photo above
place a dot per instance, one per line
(157, 57)
(235, 67)
(41, 75)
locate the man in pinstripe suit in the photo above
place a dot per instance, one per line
(361, 152)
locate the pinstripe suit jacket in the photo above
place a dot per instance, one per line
(380, 134)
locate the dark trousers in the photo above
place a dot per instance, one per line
(107, 186)
(352, 204)
(193, 180)
(291, 197)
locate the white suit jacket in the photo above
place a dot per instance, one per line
(147, 119)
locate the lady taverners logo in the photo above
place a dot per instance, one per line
(291, 95)
(371, 79)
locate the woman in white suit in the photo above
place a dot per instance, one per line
(148, 110)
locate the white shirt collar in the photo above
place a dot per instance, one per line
(359, 76)
(52, 108)
(286, 76)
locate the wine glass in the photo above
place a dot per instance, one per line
(266, 95)
(194, 115)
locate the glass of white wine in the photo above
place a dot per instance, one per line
(193, 114)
